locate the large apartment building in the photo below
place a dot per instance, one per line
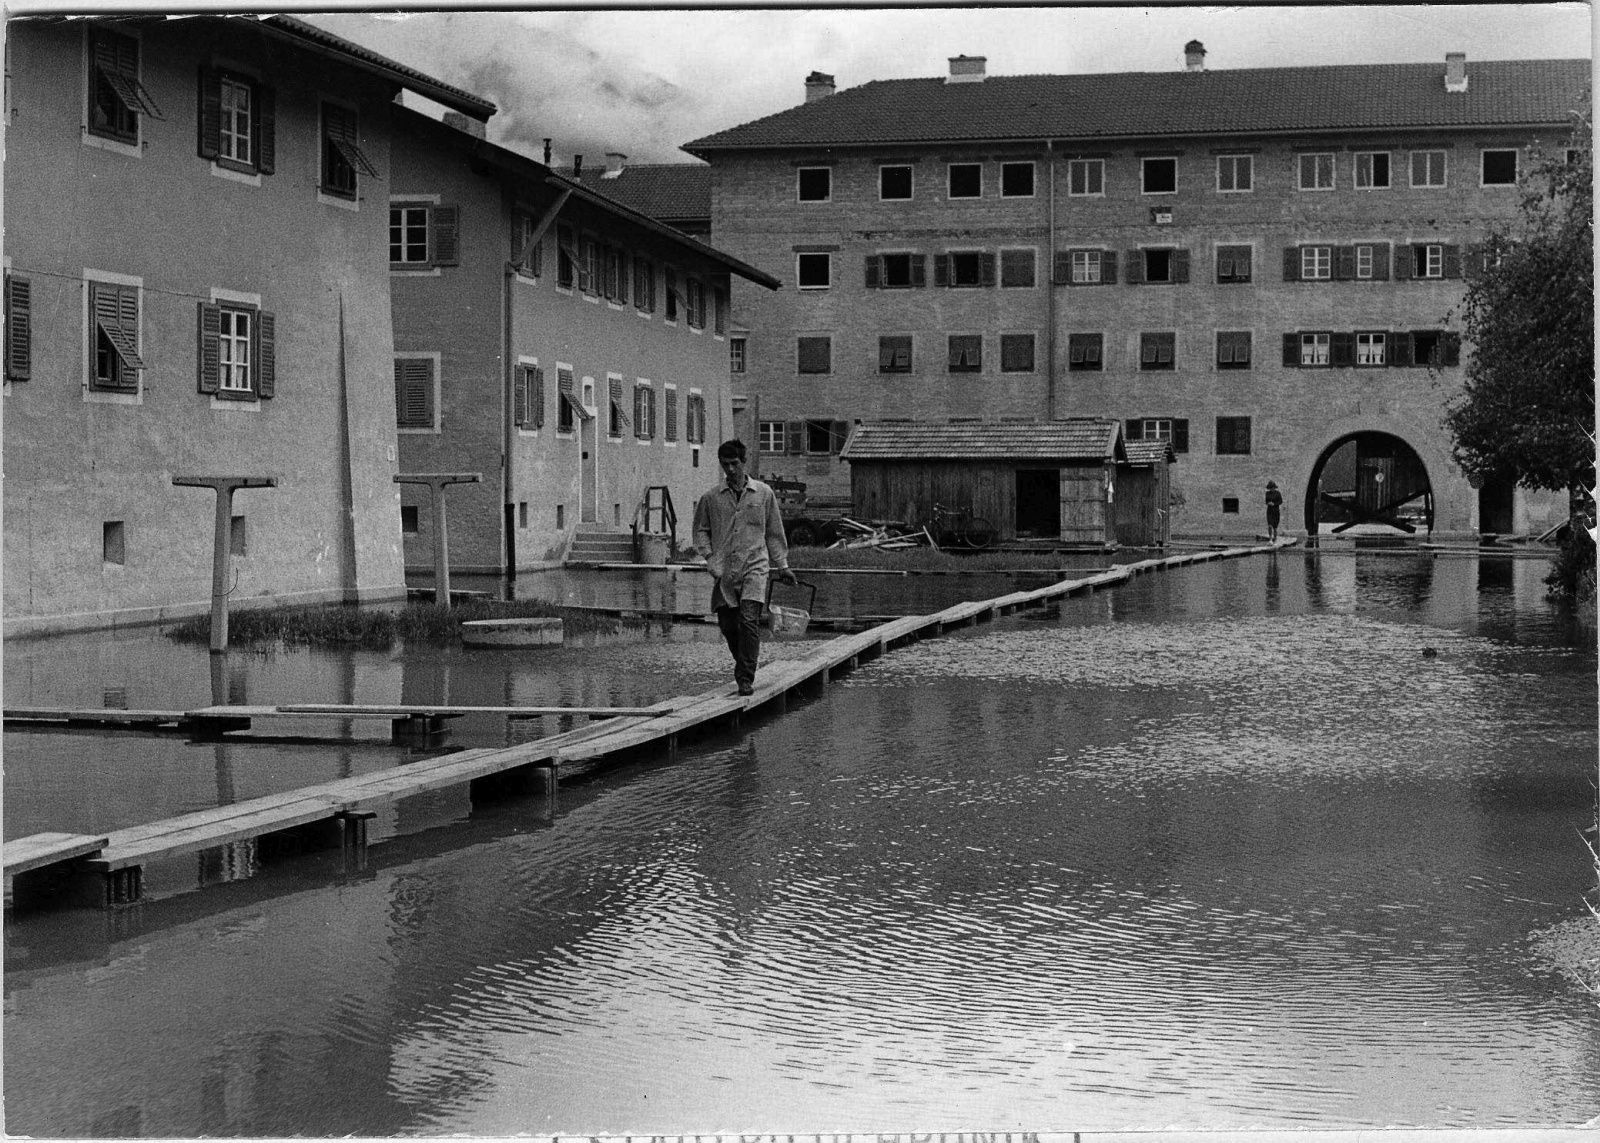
(197, 285)
(1260, 266)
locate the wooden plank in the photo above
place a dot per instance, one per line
(42, 849)
(377, 711)
(92, 715)
(185, 835)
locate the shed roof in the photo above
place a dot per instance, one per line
(1086, 439)
(1149, 452)
(1341, 97)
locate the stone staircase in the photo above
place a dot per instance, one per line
(600, 544)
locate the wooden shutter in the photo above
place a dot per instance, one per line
(19, 328)
(641, 412)
(116, 311)
(1291, 263)
(941, 269)
(1342, 349)
(536, 395)
(1062, 272)
(1180, 265)
(1450, 348)
(986, 269)
(669, 401)
(585, 278)
(444, 229)
(1380, 261)
(874, 271)
(796, 432)
(266, 129)
(209, 119)
(1135, 269)
(1344, 263)
(1404, 261)
(1108, 267)
(266, 340)
(624, 277)
(1452, 261)
(1400, 349)
(519, 396)
(413, 392)
(1134, 429)
(1180, 434)
(1291, 350)
(838, 434)
(919, 271)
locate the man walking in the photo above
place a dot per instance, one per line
(739, 532)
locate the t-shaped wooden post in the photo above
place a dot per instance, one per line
(222, 542)
(441, 540)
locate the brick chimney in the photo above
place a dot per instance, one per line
(819, 85)
(1455, 71)
(473, 127)
(615, 161)
(1194, 55)
(966, 69)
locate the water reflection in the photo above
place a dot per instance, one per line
(1216, 848)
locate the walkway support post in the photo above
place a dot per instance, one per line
(222, 543)
(438, 482)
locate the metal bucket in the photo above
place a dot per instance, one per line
(789, 622)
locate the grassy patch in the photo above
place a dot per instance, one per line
(932, 559)
(377, 629)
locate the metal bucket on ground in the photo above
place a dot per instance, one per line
(790, 622)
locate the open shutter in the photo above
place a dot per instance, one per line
(116, 312)
(585, 278)
(986, 269)
(1291, 263)
(536, 395)
(1180, 265)
(1344, 263)
(519, 396)
(1342, 349)
(1380, 261)
(641, 412)
(266, 129)
(1404, 261)
(941, 269)
(1108, 268)
(838, 434)
(19, 328)
(1062, 273)
(1452, 261)
(797, 437)
(1135, 268)
(919, 271)
(873, 272)
(1450, 348)
(1291, 350)
(266, 355)
(1180, 434)
(209, 119)
(1400, 349)
(444, 224)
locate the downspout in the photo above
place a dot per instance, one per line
(508, 418)
(1050, 272)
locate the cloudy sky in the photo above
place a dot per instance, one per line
(646, 81)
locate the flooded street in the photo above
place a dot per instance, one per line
(1218, 847)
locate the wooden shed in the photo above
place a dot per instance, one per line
(1043, 480)
(1143, 507)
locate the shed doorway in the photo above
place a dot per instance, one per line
(1038, 503)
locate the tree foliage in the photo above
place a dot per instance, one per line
(1527, 409)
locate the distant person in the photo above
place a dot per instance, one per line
(739, 532)
(1274, 508)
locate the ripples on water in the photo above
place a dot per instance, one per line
(1165, 857)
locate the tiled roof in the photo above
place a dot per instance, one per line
(1148, 452)
(666, 191)
(1145, 104)
(1079, 438)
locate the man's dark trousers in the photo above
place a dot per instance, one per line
(741, 627)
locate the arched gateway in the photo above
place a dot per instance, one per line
(1369, 478)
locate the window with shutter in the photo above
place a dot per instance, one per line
(966, 353)
(536, 396)
(894, 354)
(1157, 350)
(1017, 268)
(669, 404)
(1085, 351)
(114, 310)
(19, 328)
(1371, 349)
(117, 97)
(719, 311)
(1233, 436)
(814, 354)
(964, 268)
(414, 393)
(1342, 350)
(567, 407)
(797, 438)
(673, 299)
(519, 397)
(1233, 349)
(566, 257)
(343, 161)
(641, 412)
(1016, 352)
(408, 236)
(618, 419)
(1233, 263)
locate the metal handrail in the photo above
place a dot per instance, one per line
(648, 507)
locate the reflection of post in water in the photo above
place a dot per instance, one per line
(221, 695)
(1315, 593)
(1274, 594)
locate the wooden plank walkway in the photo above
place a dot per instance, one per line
(616, 732)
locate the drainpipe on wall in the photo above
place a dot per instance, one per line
(508, 418)
(1050, 275)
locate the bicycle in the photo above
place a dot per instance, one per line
(959, 528)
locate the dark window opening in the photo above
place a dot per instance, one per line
(1016, 180)
(1233, 436)
(1157, 350)
(966, 269)
(894, 182)
(1230, 505)
(1016, 353)
(1158, 265)
(897, 271)
(966, 353)
(815, 354)
(113, 543)
(816, 184)
(1499, 168)
(1084, 351)
(966, 180)
(1160, 176)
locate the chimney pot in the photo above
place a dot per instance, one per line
(461, 122)
(1455, 71)
(577, 166)
(967, 69)
(819, 85)
(547, 152)
(615, 161)
(1194, 55)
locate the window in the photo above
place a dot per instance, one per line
(1085, 352)
(113, 543)
(824, 436)
(1159, 176)
(1233, 263)
(1372, 349)
(1499, 168)
(966, 353)
(1316, 263)
(669, 404)
(238, 351)
(1235, 173)
(1088, 267)
(19, 328)
(1086, 178)
(1017, 268)
(966, 180)
(1316, 171)
(814, 354)
(568, 408)
(1016, 180)
(894, 354)
(896, 271)
(527, 253)
(1427, 260)
(644, 284)
(1372, 170)
(644, 412)
(694, 419)
(1364, 262)
(528, 394)
(814, 271)
(736, 354)
(1233, 349)
(1430, 347)
(410, 524)
(566, 257)
(1230, 505)
(894, 182)
(238, 537)
(615, 262)
(1160, 264)
(114, 309)
(1427, 168)
(617, 420)
(1173, 429)
(815, 184)
(963, 268)
(116, 96)
(1157, 350)
(415, 393)
(669, 278)
(591, 274)
(1016, 353)
(423, 236)
(770, 437)
(1315, 349)
(696, 303)
(237, 122)
(342, 159)
(1233, 436)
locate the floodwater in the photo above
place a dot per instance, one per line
(1218, 847)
